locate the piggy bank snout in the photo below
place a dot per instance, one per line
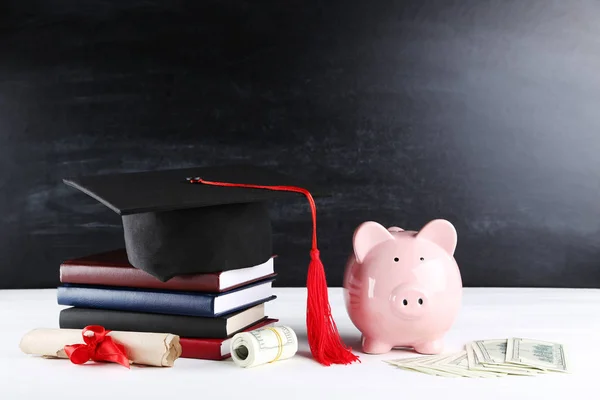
(409, 302)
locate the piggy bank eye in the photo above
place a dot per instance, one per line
(422, 259)
(396, 259)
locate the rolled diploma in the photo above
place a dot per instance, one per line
(262, 346)
(153, 349)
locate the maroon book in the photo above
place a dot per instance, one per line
(215, 349)
(112, 268)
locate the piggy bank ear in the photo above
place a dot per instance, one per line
(368, 235)
(395, 229)
(440, 232)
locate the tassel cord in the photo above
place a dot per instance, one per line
(324, 340)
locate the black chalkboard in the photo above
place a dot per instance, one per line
(481, 112)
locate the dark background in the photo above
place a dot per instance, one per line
(486, 113)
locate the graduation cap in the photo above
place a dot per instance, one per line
(211, 219)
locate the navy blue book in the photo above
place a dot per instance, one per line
(166, 302)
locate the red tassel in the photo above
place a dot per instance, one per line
(324, 339)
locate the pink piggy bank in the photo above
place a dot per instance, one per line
(403, 288)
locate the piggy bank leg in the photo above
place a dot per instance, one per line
(431, 347)
(374, 346)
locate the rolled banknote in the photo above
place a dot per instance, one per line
(262, 346)
(152, 349)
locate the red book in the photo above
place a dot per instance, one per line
(215, 349)
(112, 268)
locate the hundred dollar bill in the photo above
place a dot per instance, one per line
(438, 363)
(493, 352)
(546, 355)
(475, 364)
(442, 364)
(430, 364)
(429, 371)
(491, 358)
(417, 359)
(459, 363)
(420, 364)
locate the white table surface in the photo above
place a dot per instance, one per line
(568, 316)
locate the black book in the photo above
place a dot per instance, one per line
(181, 325)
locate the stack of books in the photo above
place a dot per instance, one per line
(204, 310)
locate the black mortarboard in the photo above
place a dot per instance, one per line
(202, 220)
(172, 227)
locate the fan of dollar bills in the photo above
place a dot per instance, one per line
(492, 358)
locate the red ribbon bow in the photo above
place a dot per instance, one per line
(98, 347)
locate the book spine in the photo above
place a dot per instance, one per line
(135, 278)
(215, 349)
(198, 305)
(203, 350)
